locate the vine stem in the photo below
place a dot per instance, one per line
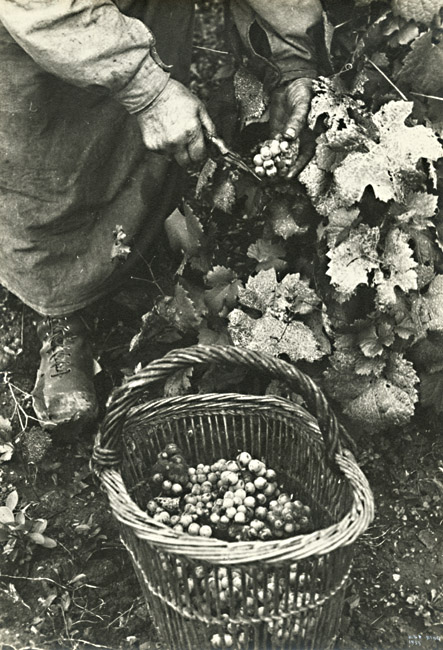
(210, 49)
(402, 95)
(428, 96)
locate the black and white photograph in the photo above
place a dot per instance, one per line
(221, 324)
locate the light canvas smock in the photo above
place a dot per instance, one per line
(72, 161)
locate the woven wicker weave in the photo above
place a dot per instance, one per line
(182, 576)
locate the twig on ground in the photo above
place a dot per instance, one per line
(128, 611)
(22, 416)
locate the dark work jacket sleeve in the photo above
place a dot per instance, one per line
(277, 36)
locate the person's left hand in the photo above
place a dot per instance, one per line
(289, 110)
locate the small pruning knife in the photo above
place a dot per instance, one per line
(231, 157)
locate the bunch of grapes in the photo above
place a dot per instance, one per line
(170, 472)
(275, 157)
(230, 499)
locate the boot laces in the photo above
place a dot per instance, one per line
(60, 355)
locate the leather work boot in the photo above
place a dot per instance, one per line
(64, 394)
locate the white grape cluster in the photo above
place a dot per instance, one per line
(275, 157)
(229, 499)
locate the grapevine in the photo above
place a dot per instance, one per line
(340, 268)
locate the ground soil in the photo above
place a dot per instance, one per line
(83, 593)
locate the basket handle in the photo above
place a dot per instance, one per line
(108, 447)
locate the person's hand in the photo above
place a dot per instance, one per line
(175, 124)
(289, 110)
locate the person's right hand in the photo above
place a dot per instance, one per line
(175, 124)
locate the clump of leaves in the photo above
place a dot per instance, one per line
(18, 532)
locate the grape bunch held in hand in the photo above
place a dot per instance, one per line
(275, 157)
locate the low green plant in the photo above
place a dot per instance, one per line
(19, 532)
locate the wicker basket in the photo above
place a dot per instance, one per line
(277, 594)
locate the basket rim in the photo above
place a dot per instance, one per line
(319, 542)
(175, 407)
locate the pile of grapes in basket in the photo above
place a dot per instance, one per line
(231, 499)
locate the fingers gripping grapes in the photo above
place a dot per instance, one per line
(175, 124)
(288, 115)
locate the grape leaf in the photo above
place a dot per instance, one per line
(421, 68)
(384, 404)
(283, 218)
(422, 11)
(276, 330)
(340, 223)
(223, 290)
(294, 294)
(179, 383)
(205, 176)
(342, 381)
(170, 318)
(333, 103)
(426, 253)
(207, 336)
(374, 402)
(406, 33)
(272, 336)
(427, 354)
(268, 254)
(250, 95)
(397, 269)
(383, 166)
(317, 183)
(318, 323)
(431, 391)
(352, 260)
(417, 209)
(371, 336)
(49, 542)
(184, 232)
(428, 308)
(181, 311)
(259, 292)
